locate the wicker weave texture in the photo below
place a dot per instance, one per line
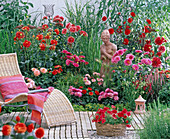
(9, 65)
(110, 130)
(58, 110)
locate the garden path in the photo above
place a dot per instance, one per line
(83, 129)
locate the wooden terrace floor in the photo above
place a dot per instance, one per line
(79, 130)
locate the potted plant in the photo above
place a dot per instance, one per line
(111, 122)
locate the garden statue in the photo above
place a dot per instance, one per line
(107, 50)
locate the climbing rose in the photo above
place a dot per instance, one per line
(70, 39)
(6, 130)
(26, 43)
(104, 18)
(39, 133)
(130, 20)
(126, 41)
(156, 62)
(111, 30)
(132, 14)
(149, 21)
(158, 40)
(162, 49)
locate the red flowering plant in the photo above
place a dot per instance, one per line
(17, 129)
(112, 116)
(42, 46)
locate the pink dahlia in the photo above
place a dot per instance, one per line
(120, 52)
(130, 56)
(68, 61)
(127, 62)
(138, 51)
(135, 67)
(75, 65)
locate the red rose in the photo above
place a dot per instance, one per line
(39, 133)
(128, 113)
(45, 26)
(39, 37)
(17, 118)
(156, 62)
(148, 41)
(89, 88)
(130, 20)
(127, 31)
(26, 43)
(97, 92)
(162, 49)
(111, 30)
(149, 21)
(126, 41)
(84, 91)
(30, 127)
(20, 35)
(103, 121)
(6, 130)
(124, 111)
(104, 18)
(57, 31)
(128, 125)
(125, 116)
(42, 47)
(158, 40)
(70, 39)
(120, 114)
(90, 93)
(132, 14)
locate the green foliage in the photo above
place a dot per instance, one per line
(156, 123)
(164, 94)
(12, 12)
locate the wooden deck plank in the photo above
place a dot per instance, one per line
(57, 132)
(68, 131)
(78, 127)
(83, 124)
(63, 136)
(87, 121)
(91, 118)
(134, 122)
(74, 131)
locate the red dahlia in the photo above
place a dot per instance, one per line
(132, 14)
(147, 47)
(162, 49)
(127, 31)
(104, 18)
(111, 30)
(42, 47)
(45, 26)
(26, 43)
(130, 20)
(159, 54)
(20, 35)
(156, 62)
(149, 21)
(126, 41)
(84, 91)
(158, 40)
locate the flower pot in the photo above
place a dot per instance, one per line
(110, 130)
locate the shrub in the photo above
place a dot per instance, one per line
(156, 123)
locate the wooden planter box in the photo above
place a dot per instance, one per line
(110, 130)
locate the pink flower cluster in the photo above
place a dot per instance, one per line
(37, 72)
(116, 57)
(146, 61)
(30, 84)
(74, 59)
(75, 91)
(109, 93)
(88, 79)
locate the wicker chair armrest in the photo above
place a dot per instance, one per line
(38, 91)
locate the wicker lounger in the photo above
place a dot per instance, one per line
(57, 109)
